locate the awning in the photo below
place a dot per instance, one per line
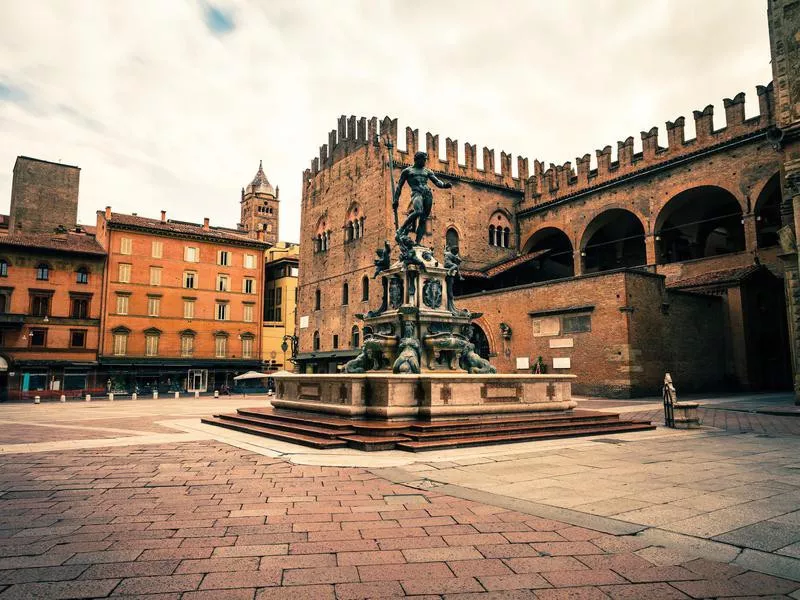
(251, 375)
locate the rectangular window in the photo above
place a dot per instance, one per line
(294, 272)
(222, 283)
(188, 309)
(576, 324)
(125, 245)
(223, 258)
(40, 306)
(153, 306)
(77, 338)
(80, 308)
(187, 345)
(247, 347)
(120, 344)
(155, 275)
(190, 279)
(222, 311)
(5, 303)
(124, 273)
(157, 249)
(249, 285)
(249, 261)
(191, 254)
(38, 338)
(151, 345)
(247, 313)
(221, 346)
(335, 341)
(122, 305)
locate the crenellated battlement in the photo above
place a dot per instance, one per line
(353, 134)
(559, 181)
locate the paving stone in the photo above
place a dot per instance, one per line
(582, 578)
(241, 579)
(507, 550)
(298, 561)
(130, 569)
(420, 571)
(513, 582)
(762, 583)
(357, 591)
(320, 575)
(158, 584)
(766, 535)
(298, 592)
(370, 558)
(411, 542)
(643, 591)
(456, 553)
(42, 574)
(578, 593)
(211, 565)
(543, 564)
(61, 589)
(451, 585)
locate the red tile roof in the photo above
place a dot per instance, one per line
(716, 278)
(180, 227)
(64, 242)
(504, 266)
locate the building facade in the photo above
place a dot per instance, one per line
(280, 305)
(260, 208)
(665, 259)
(51, 274)
(184, 303)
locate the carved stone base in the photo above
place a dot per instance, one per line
(426, 396)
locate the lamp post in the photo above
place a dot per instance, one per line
(293, 340)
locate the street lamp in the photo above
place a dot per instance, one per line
(293, 340)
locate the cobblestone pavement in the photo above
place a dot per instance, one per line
(203, 519)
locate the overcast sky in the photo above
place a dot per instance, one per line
(170, 104)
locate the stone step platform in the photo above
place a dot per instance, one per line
(317, 431)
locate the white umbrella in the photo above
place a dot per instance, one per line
(251, 375)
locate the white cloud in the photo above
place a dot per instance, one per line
(161, 111)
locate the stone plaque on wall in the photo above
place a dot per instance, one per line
(523, 362)
(562, 343)
(562, 362)
(546, 326)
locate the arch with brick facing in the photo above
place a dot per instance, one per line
(614, 238)
(559, 261)
(483, 325)
(767, 212)
(699, 222)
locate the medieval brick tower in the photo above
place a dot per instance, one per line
(260, 203)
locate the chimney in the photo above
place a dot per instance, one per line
(205, 224)
(163, 216)
(108, 213)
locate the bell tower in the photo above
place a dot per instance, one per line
(260, 203)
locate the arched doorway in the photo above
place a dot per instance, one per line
(768, 213)
(451, 238)
(698, 223)
(481, 341)
(613, 239)
(557, 261)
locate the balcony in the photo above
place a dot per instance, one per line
(11, 321)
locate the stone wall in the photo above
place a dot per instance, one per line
(44, 196)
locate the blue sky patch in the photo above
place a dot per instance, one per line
(219, 21)
(10, 93)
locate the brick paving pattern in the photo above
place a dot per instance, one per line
(205, 520)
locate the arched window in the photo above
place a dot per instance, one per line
(354, 223)
(349, 232)
(315, 341)
(42, 272)
(614, 239)
(365, 289)
(768, 213)
(345, 293)
(500, 230)
(361, 227)
(3, 268)
(317, 300)
(82, 275)
(322, 240)
(355, 337)
(451, 238)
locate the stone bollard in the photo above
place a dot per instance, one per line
(63, 398)
(88, 397)
(216, 393)
(686, 415)
(177, 395)
(37, 399)
(134, 396)
(155, 395)
(110, 397)
(196, 394)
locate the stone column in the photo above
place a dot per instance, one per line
(750, 236)
(784, 33)
(650, 245)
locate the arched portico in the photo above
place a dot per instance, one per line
(612, 240)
